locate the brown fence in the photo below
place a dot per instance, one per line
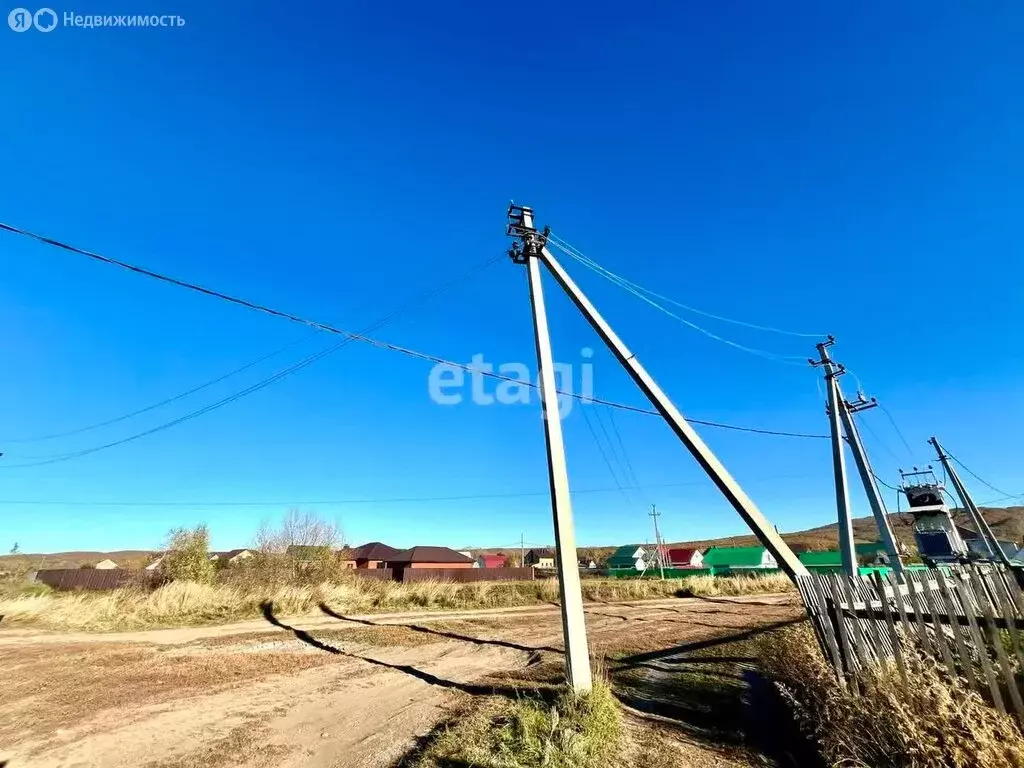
(93, 578)
(969, 618)
(409, 575)
(374, 574)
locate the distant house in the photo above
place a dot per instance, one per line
(827, 561)
(230, 557)
(588, 563)
(492, 561)
(372, 555)
(428, 557)
(467, 553)
(539, 558)
(628, 558)
(105, 565)
(154, 564)
(685, 558)
(739, 558)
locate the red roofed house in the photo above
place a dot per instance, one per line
(492, 561)
(372, 555)
(428, 557)
(685, 558)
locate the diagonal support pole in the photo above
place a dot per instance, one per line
(739, 500)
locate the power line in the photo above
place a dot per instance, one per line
(887, 485)
(593, 266)
(979, 479)
(565, 246)
(604, 456)
(167, 401)
(389, 500)
(910, 451)
(44, 460)
(369, 340)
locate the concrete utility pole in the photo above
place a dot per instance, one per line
(739, 500)
(574, 630)
(654, 514)
(981, 525)
(835, 399)
(846, 410)
(522, 550)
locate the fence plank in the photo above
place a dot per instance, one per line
(998, 588)
(896, 650)
(901, 607)
(958, 631)
(823, 626)
(836, 615)
(940, 634)
(997, 642)
(862, 646)
(986, 664)
(916, 601)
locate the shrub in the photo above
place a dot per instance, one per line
(188, 556)
(934, 722)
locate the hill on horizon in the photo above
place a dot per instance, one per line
(1006, 522)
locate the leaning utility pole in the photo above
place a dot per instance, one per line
(521, 225)
(988, 537)
(835, 400)
(654, 513)
(574, 630)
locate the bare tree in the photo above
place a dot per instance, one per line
(299, 529)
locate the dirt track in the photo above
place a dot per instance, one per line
(317, 691)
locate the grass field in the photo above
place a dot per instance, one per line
(186, 603)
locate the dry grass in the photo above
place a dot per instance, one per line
(186, 603)
(932, 723)
(577, 731)
(732, 586)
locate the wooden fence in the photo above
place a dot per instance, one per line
(968, 617)
(93, 578)
(408, 575)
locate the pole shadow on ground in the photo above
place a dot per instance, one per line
(474, 689)
(441, 633)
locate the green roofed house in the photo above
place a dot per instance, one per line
(628, 558)
(739, 558)
(827, 561)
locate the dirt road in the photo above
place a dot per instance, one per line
(317, 691)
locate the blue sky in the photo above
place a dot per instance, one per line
(834, 168)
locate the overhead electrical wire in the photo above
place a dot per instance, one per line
(978, 478)
(629, 288)
(168, 400)
(568, 248)
(895, 426)
(367, 339)
(314, 502)
(604, 456)
(44, 460)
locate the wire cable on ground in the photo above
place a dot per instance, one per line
(568, 248)
(367, 339)
(629, 288)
